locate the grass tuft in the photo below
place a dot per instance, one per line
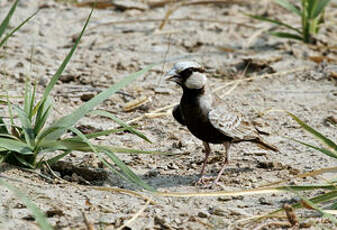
(23, 145)
(311, 13)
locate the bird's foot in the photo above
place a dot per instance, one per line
(209, 182)
(206, 182)
(203, 181)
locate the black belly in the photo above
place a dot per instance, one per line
(206, 132)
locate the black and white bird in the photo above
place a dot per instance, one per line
(208, 122)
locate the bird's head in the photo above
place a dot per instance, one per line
(188, 75)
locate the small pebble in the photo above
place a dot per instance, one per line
(87, 96)
(203, 214)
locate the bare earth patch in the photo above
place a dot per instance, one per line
(281, 74)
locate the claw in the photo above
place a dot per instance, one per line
(206, 182)
(203, 181)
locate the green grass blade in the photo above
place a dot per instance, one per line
(15, 146)
(2, 102)
(26, 126)
(5, 134)
(3, 157)
(10, 111)
(16, 29)
(23, 161)
(274, 21)
(41, 121)
(321, 211)
(286, 35)
(112, 168)
(84, 139)
(317, 199)
(43, 112)
(310, 6)
(32, 100)
(39, 216)
(10, 136)
(65, 61)
(318, 9)
(99, 134)
(73, 145)
(3, 128)
(25, 122)
(78, 145)
(27, 97)
(67, 121)
(5, 22)
(124, 168)
(55, 159)
(315, 133)
(129, 174)
(287, 5)
(121, 123)
(132, 151)
(45, 133)
(322, 150)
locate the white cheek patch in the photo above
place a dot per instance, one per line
(196, 81)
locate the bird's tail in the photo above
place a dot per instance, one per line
(261, 143)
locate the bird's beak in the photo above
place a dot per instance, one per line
(173, 76)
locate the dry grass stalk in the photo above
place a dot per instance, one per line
(100, 188)
(273, 225)
(88, 224)
(132, 21)
(291, 215)
(303, 175)
(135, 103)
(259, 77)
(140, 211)
(188, 3)
(159, 112)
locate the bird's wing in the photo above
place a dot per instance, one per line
(178, 115)
(231, 124)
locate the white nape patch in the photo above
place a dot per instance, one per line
(196, 81)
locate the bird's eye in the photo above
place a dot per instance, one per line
(186, 73)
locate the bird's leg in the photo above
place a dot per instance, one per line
(225, 162)
(207, 152)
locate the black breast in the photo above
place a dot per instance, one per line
(177, 114)
(196, 119)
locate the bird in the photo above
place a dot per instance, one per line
(211, 123)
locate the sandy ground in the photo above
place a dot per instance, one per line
(121, 41)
